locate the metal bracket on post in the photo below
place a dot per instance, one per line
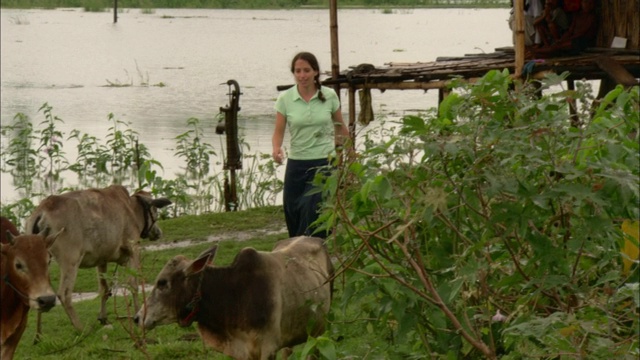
(233, 161)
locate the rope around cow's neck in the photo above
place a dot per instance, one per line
(146, 209)
(6, 281)
(194, 304)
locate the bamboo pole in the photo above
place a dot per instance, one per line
(335, 55)
(115, 11)
(352, 115)
(518, 7)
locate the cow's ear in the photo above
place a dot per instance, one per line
(49, 240)
(161, 202)
(201, 262)
(10, 237)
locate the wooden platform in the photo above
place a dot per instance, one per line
(612, 66)
(622, 66)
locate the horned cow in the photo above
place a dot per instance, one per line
(102, 226)
(24, 269)
(263, 302)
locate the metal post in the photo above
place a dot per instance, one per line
(234, 154)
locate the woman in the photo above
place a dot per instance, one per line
(316, 128)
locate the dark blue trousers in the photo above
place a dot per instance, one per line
(300, 207)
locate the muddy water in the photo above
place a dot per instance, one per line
(175, 60)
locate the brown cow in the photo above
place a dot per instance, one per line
(102, 226)
(263, 302)
(6, 227)
(24, 269)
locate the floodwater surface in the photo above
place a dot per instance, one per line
(157, 70)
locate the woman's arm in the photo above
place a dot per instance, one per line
(340, 128)
(278, 136)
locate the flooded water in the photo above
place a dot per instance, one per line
(68, 58)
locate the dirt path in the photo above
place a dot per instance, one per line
(227, 236)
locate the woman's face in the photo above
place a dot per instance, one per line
(304, 73)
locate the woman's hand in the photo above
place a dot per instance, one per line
(278, 155)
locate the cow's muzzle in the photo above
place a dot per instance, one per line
(45, 303)
(139, 320)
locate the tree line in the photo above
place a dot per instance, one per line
(95, 5)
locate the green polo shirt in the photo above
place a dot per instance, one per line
(310, 124)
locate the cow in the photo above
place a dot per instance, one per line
(24, 269)
(261, 303)
(7, 227)
(102, 226)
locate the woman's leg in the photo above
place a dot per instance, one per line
(300, 198)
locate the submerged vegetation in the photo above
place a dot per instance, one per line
(35, 157)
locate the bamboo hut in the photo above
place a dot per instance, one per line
(612, 66)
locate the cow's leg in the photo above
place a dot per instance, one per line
(38, 328)
(104, 292)
(11, 344)
(65, 291)
(134, 264)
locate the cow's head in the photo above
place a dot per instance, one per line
(25, 269)
(150, 206)
(175, 294)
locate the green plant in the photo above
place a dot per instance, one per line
(35, 157)
(19, 158)
(196, 155)
(126, 153)
(492, 227)
(92, 163)
(51, 157)
(258, 184)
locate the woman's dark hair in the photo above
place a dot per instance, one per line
(311, 59)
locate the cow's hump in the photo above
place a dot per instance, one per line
(248, 258)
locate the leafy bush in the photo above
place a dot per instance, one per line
(492, 227)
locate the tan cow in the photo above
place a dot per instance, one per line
(24, 269)
(263, 302)
(102, 226)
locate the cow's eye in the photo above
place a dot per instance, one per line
(19, 266)
(162, 283)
